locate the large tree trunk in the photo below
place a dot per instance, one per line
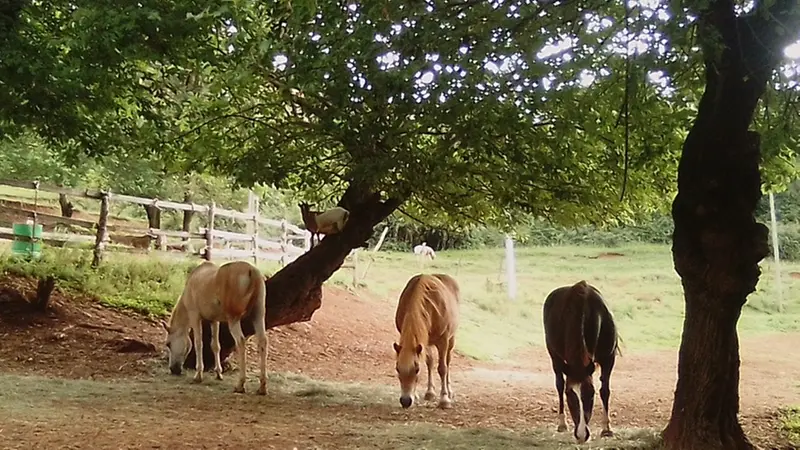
(295, 292)
(717, 242)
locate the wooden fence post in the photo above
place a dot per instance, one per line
(255, 229)
(210, 232)
(102, 231)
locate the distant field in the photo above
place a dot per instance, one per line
(638, 282)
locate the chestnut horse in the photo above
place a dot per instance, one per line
(580, 332)
(427, 317)
(231, 292)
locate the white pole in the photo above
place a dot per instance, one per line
(251, 209)
(776, 250)
(511, 276)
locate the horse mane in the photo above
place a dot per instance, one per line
(417, 317)
(575, 309)
(179, 313)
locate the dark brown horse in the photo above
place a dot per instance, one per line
(580, 333)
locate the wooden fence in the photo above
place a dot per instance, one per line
(258, 248)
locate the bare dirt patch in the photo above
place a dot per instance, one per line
(608, 255)
(75, 338)
(348, 340)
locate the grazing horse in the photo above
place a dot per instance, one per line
(427, 317)
(231, 292)
(580, 332)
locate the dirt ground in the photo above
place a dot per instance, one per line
(348, 340)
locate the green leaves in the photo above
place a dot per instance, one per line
(477, 111)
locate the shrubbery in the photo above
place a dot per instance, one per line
(540, 233)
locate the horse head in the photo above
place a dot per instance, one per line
(178, 346)
(581, 411)
(407, 366)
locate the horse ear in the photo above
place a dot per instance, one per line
(164, 324)
(396, 347)
(419, 349)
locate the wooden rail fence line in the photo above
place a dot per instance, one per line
(283, 250)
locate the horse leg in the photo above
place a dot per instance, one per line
(581, 432)
(450, 358)
(235, 328)
(197, 329)
(562, 422)
(587, 403)
(215, 348)
(430, 393)
(263, 350)
(444, 399)
(605, 393)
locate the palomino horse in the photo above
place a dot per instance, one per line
(427, 317)
(232, 292)
(580, 332)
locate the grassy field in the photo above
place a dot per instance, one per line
(639, 284)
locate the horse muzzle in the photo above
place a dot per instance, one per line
(175, 370)
(406, 401)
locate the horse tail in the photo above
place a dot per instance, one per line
(577, 306)
(256, 290)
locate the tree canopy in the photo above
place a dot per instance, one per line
(454, 111)
(470, 111)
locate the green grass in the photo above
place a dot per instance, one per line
(19, 194)
(641, 288)
(791, 424)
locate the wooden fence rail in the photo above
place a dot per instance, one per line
(283, 250)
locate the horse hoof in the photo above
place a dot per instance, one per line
(562, 428)
(607, 433)
(239, 389)
(262, 390)
(197, 380)
(219, 376)
(430, 396)
(445, 404)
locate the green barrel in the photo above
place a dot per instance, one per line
(23, 234)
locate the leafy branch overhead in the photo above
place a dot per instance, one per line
(469, 111)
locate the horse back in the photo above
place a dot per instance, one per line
(239, 288)
(597, 328)
(437, 296)
(451, 284)
(435, 299)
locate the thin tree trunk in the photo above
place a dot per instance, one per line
(187, 216)
(717, 243)
(153, 216)
(295, 292)
(67, 208)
